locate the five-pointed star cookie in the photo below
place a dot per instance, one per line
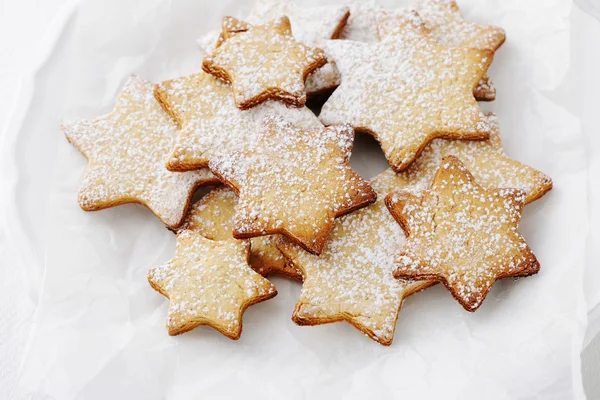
(352, 278)
(127, 150)
(265, 62)
(485, 159)
(212, 217)
(447, 26)
(294, 182)
(461, 234)
(210, 122)
(209, 282)
(310, 25)
(407, 90)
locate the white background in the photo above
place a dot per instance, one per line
(23, 24)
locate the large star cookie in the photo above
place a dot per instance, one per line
(210, 122)
(294, 182)
(212, 217)
(352, 278)
(407, 90)
(265, 62)
(461, 234)
(127, 150)
(209, 283)
(447, 26)
(485, 159)
(310, 25)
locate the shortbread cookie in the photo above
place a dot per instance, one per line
(485, 159)
(294, 182)
(209, 282)
(210, 122)
(407, 90)
(127, 150)
(352, 278)
(461, 234)
(212, 217)
(362, 23)
(310, 25)
(449, 28)
(265, 62)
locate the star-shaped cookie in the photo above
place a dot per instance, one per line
(407, 90)
(310, 25)
(461, 234)
(352, 278)
(127, 150)
(294, 182)
(265, 62)
(209, 282)
(212, 217)
(485, 159)
(210, 122)
(449, 28)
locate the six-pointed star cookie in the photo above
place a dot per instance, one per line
(293, 182)
(210, 122)
(448, 27)
(407, 90)
(127, 150)
(461, 234)
(212, 217)
(485, 159)
(265, 62)
(209, 283)
(310, 25)
(352, 278)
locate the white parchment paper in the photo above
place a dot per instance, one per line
(99, 329)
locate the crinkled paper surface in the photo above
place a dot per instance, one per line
(99, 331)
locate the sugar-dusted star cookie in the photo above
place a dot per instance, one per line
(265, 62)
(449, 28)
(212, 217)
(407, 90)
(310, 25)
(461, 234)
(209, 282)
(210, 122)
(127, 150)
(352, 278)
(362, 23)
(294, 182)
(485, 159)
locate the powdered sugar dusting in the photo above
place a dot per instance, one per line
(293, 181)
(209, 283)
(127, 150)
(462, 234)
(407, 90)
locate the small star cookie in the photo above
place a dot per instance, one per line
(210, 122)
(461, 234)
(209, 282)
(352, 278)
(212, 217)
(294, 182)
(407, 90)
(310, 25)
(485, 159)
(449, 28)
(127, 150)
(265, 62)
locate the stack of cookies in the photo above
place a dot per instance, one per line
(285, 199)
